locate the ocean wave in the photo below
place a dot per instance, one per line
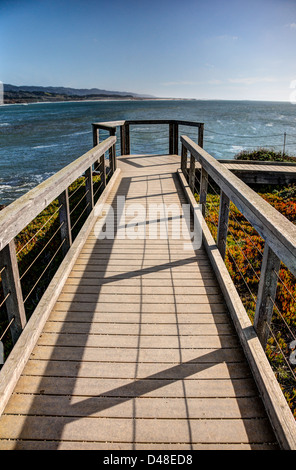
(44, 146)
(44, 176)
(269, 124)
(141, 128)
(4, 124)
(236, 148)
(19, 185)
(80, 133)
(76, 133)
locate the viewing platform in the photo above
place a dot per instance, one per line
(141, 341)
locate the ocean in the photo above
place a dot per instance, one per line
(37, 140)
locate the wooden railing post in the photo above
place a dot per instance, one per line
(122, 140)
(176, 135)
(89, 190)
(95, 135)
(103, 170)
(95, 139)
(191, 181)
(200, 134)
(64, 215)
(171, 138)
(223, 223)
(266, 294)
(184, 160)
(203, 190)
(114, 165)
(12, 290)
(112, 153)
(126, 130)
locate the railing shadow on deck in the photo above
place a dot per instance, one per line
(280, 243)
(138, 387)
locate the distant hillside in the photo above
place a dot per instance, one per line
(31, 94)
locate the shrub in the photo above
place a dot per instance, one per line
(264, 154)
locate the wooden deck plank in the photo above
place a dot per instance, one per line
(166, 388)
(68, 445)
(122, 355)
(141, 298)
(119, 319)
(135, 308)
(259, 167)
(104, 407)
(128, 370)
(127, 430)
(139, 351)
(143, 282)
(133, 341)
(116, 307)
(145, 329)
(140, 290)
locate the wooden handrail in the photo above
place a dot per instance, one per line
(280, 245)
(277, 231)
(273, 227)
(15, 217)
(125, 131)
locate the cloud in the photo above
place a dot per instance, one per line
(227, 37)
(291, 25)
(193, 83)
(252, 80)
(215, 82)
(181, 82)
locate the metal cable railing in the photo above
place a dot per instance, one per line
(245, 257)
(31, 250)
(4, 322)
(244, 253)
(43, 272)
(39, 231)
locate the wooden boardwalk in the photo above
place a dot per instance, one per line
(262, 172)
(264, 167)
(139, 351)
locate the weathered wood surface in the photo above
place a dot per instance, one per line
(139, 351)
(12, 290)
(16, 216)
(124, 127)
(262, 172)
(259, 165)
(275, 403)
(272, 226)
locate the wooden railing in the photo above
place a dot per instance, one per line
(91, 172)
(206, 180)
(125, 132)
(277, 231)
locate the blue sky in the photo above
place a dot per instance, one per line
(209, 49)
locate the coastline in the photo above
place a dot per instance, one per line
(25, 103)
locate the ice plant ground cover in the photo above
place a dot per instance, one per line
(243, 259)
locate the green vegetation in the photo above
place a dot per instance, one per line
(243, 259)
(39, 250)
(264, 154)
(13, 97)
